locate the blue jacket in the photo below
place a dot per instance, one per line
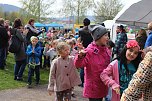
(149, 40)
(33, 57)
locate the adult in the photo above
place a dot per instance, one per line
(85, 39)
(20, 57)
(7, 26)
(141, 38)
(149, 38)
(3, 43)
(32, 30)
(120, 41)
(84, 33)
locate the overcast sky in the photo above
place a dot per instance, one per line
(16, 2)
(58, 2)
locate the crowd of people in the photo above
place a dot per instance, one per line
(114, 71)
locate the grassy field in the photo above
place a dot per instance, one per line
(7, 76)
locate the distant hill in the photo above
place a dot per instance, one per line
(9, 8)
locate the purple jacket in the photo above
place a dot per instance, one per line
(95, 61)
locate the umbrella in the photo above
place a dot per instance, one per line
(139, 13)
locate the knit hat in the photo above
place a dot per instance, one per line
(97, 31)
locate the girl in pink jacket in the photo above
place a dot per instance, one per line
(95, 58)
(122, 69)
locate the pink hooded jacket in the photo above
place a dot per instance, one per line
(96, 60)
(112, 70)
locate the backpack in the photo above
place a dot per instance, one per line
(15, 43)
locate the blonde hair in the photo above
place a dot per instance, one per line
(1, 21)
(60, 46)
(33, 38)
(150, 26)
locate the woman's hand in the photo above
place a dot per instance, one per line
(146, 50)
(25, 31)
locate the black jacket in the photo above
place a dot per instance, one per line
(4, 37)
(85, 36)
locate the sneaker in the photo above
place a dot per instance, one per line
(73, 95)
(15, 78)
(29, 86)
(19, 79)
(37, 83)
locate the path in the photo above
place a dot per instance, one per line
(38, 93)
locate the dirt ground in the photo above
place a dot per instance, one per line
(37, 93)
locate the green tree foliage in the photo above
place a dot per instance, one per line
(1, 12)
(78, 8)
(107, 9)
(36, 8)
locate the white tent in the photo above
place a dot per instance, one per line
(108, 24)
(138, 13)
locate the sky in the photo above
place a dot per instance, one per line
(17, 3)
(58, 2)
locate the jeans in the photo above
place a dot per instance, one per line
(109, 96)
(46, 62)
(19, 68)
(82, 76)
(2, 57)
(31, 73)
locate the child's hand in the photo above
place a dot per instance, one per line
(47, 45)
(80, 46)
(82, 53)
(33, 51)
(50, 92)
(117, 90)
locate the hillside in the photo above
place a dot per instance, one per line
(9, 8)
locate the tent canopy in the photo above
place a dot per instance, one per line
(54, 25)
(37, 24)
(139, 13)
(109, 23)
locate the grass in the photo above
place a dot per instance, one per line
(7, 76)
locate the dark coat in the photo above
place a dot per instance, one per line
(32, 32)
(4, 37)
(21, 55)
(85, 36)
(141, 41)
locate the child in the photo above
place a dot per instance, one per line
(122, 69)
(46, 62)
(63, 76)
(141, 83)
(51, 53)
(94, 60)
(34, 52)
(73, 52)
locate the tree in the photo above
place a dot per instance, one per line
(107, 9)
(1, 12)
(36, 8)
(77, 8)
